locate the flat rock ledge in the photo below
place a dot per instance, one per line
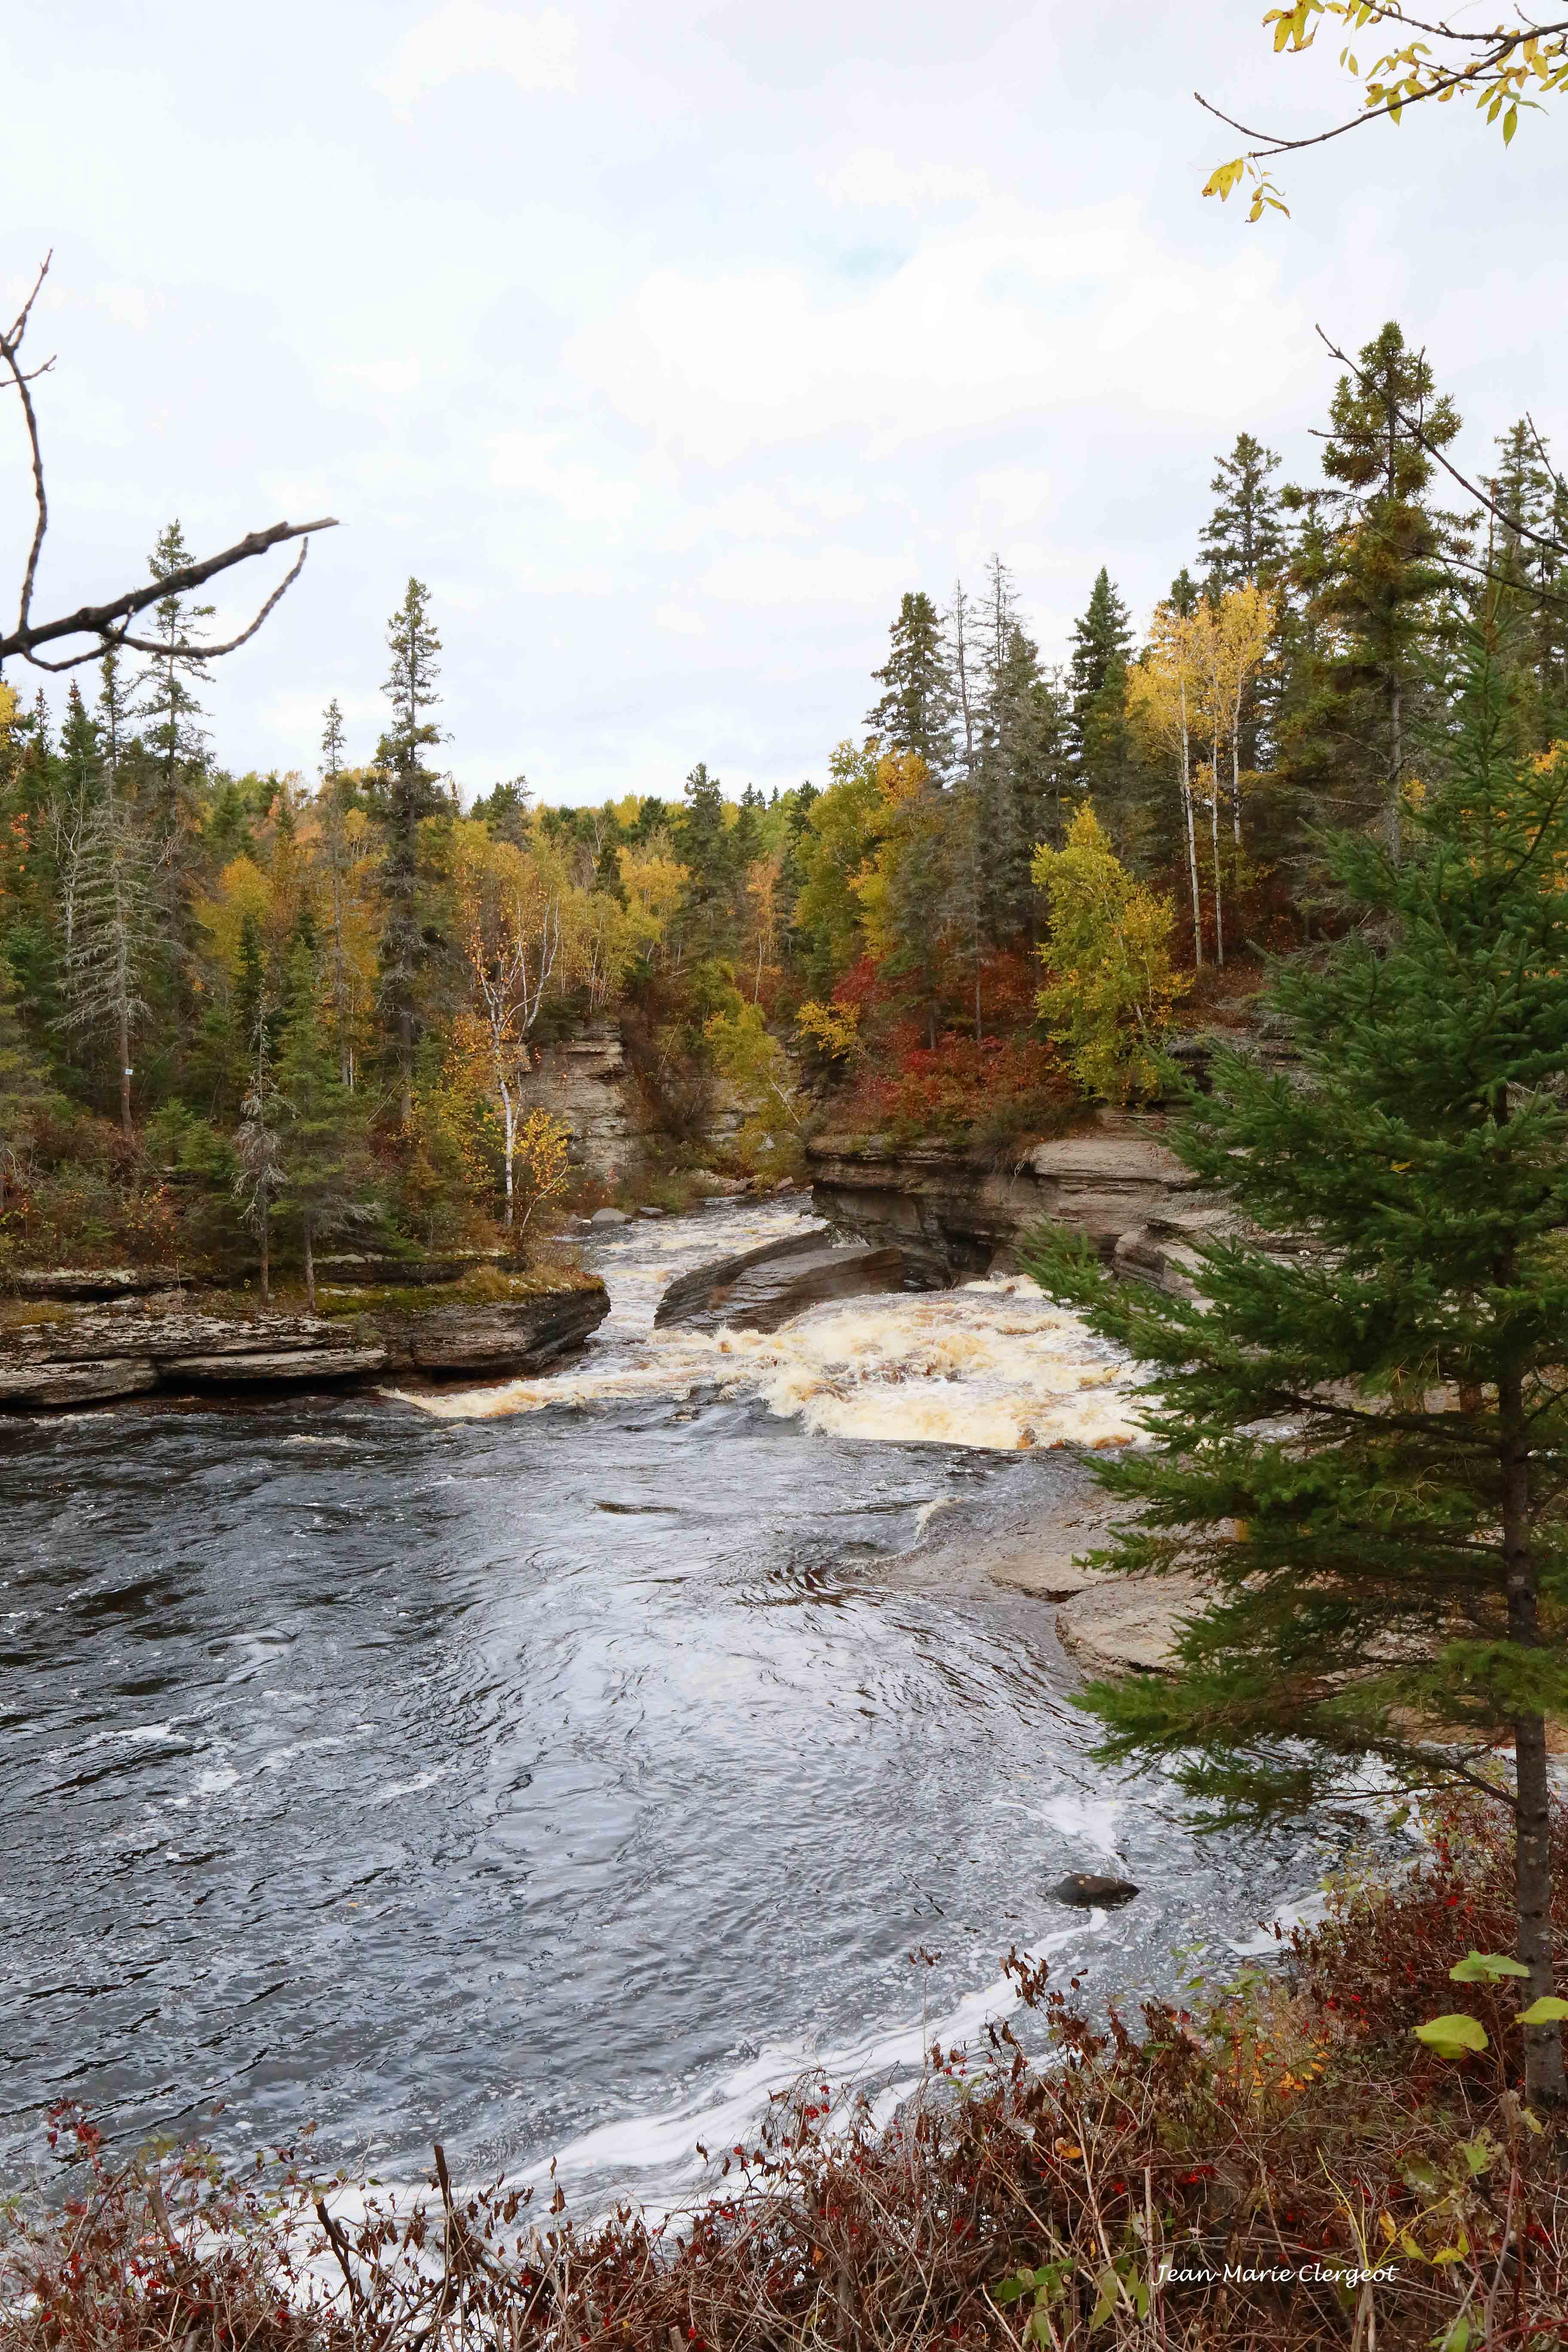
(1118, 1182)
(131, 1351)
(760, 1289)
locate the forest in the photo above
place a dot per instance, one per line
(242, 1014)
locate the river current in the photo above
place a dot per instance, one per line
(556, 1767)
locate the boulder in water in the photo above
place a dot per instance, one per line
(761, 1289)
(1087, 1890)
(609, 1217)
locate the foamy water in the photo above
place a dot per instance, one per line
(993, 1365)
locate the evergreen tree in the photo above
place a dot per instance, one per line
(175, 741)
(321, 1145)
(1183, 599)
(702, 844)
(112, 911)
(912, 714)
(1357, 1441)
(1243, 539)
(1101, 646)
(26, 1096)
(1383, 574)
(505, 810)
(1534, 608)
(405, 793)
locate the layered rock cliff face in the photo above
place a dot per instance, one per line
(585, 1084)
(1117, 1181)
(130, 1351)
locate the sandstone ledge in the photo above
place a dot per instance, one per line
(132, 1351)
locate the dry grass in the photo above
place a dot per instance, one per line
(1150, 2187)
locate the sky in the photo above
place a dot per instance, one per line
(669, 346)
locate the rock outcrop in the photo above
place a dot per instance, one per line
(130, 1351)
(585, 1083)
(760, 1289)
(1117, 1181)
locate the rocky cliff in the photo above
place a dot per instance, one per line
(134, 1349)
(585, 1083)
(1117, 1181)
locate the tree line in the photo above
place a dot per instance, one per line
(263, 996)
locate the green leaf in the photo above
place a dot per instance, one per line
(1109, 2287)
(1458, 2338)
(1510, 125)
(1485, 1967)
(1548, 2010)
(1452, 2036)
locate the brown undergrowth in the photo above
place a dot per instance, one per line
(1283, 2167)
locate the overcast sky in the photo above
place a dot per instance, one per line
(670, 344)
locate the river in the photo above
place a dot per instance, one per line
(556, 1767)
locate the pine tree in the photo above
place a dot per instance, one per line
(1534, 609)
(405, 793)
(914, 714)
(321, 1145)
(1356, 1439)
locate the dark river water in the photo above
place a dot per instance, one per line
(550, 1783)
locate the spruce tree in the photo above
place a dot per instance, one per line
(1243, 539)
(1101, 645)
(702, 844)
(1382, 578)
(914, 714)
(405, 793)
(1357, 1434)
(173, 734)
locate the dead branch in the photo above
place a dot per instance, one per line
(109, 624)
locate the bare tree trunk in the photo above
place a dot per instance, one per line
(1192, 837)
(266, 1254)
(1543, 2081)
(1214, 838)
(310, 1270)
(510, 1115)
(1395, 764)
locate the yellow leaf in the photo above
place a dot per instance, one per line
(1221, 181)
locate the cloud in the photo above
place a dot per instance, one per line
(464, 37)
(872, 177)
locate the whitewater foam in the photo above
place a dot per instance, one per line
(993, 1365)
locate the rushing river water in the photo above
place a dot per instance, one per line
(554, 1769)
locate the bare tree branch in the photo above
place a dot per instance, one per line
(10, 351)
(98, 620)
(109, 624)
(117, 637)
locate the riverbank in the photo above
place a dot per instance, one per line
(1272, 2162)
(492, 1323)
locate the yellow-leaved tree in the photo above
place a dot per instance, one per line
(1111, 986)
